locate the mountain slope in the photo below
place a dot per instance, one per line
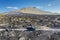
(31, 10)
(34, 10)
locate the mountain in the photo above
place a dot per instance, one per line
(34, 10)
(31, 10)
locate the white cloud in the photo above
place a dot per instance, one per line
(12, 7)
(49, 5)
(39, 7)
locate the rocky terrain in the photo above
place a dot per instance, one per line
(23, 24)
(25, 20)
(29, 35)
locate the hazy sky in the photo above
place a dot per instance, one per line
(47, 5)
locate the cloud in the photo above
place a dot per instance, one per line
(12, 7)
(49, 5)
(39, 7)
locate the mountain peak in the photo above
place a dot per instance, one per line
(33, 10)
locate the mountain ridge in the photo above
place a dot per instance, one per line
(32, 10)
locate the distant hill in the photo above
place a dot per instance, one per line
(34, 10)
(31, 10)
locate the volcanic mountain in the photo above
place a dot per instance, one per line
(31, 10)
(34, 10)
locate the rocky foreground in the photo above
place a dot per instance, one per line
(29, 35)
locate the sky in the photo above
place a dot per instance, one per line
(46, 5)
